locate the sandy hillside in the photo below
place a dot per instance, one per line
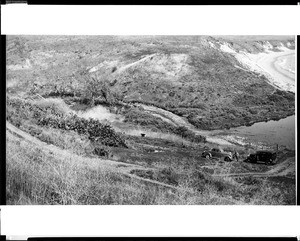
(279, 77)
(275, 65)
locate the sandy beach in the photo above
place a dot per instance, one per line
(286, 65)
(276, 66)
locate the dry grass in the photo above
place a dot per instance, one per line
(137, 131)
(37, 176)
(41, 174)
(68, 140)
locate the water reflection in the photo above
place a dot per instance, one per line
(281, 132)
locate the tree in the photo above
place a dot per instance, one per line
(98, 87)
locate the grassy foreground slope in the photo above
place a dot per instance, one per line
(38, 173)
(50, 160)
(184, 75)
(57, 155)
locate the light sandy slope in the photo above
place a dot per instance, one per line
(26, 65)
(164, 114)
(286, 65)
(135, 63)
(100, 113)
(267, 63)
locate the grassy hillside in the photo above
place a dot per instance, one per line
(61, 149)
(181, 74)
(41, 174)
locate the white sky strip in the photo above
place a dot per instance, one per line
(156, 20)
(168, 221)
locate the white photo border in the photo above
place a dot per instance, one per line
(150, 221)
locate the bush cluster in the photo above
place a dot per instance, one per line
(50, 116)
(96, 131)
(101, 151)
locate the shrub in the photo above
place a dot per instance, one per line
(169, 176)
(96, 131)
(253, 111)
(101, 151)
(148, 174)
(182, 131)
(50, 115)
(97, 87)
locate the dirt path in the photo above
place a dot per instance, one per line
(283, 169)
(252, 174)
(180, 121)
(56, 150)
(120, 167)
(135, 63)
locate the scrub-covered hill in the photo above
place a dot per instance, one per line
(197, 77)
(122, 119)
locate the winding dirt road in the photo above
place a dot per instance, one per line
(120, 167)
(283, 169)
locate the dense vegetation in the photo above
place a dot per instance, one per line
(184, 75)
(144, 119)
(37, 177)
(19, 111)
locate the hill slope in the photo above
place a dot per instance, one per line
(77, 106)
(197, 77)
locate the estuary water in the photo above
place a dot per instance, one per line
(263, 134)
(268, 134)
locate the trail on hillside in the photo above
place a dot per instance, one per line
(120, 167)
(181, 121)
(56, 150)
(134, 63)
(283, 169)
(252, 174)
